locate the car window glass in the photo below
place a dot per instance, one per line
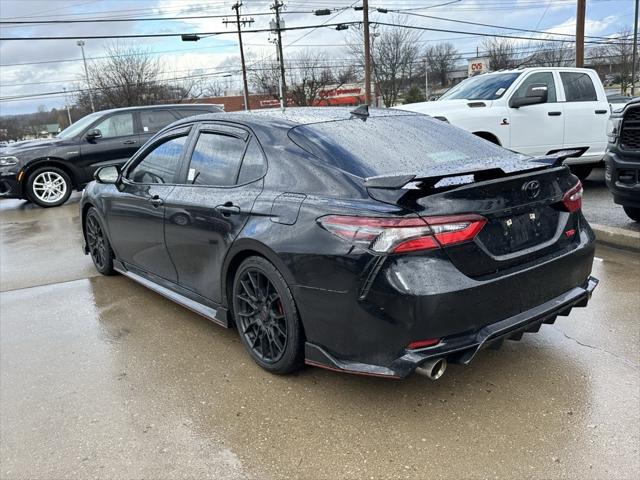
(545, 78)
(482, 87)
(155, 120)
(397, 144)
(116, 125)
(161, 164)
(215, 160)
(253, 166)
(578, 87)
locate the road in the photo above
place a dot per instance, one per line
(100, 377)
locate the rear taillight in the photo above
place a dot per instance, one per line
(572, 199)
(401, 235)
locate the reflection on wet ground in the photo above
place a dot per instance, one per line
(100, 377)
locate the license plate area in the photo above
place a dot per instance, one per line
(511, 233)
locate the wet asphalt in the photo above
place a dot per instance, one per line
(101, 378)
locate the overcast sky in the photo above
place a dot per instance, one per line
(63, 67)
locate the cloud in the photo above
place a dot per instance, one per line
(222, 51)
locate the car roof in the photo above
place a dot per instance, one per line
(531, 69)
(295, 116)
(168, 105)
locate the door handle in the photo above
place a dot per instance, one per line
(554, 114)
(228, 209)
(129, 142)
(156, 201)
(601, 112)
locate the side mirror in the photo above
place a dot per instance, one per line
(94, 134)
(536, 93)
(109, 174)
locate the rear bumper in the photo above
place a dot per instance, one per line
(623, 177)
(462, 349)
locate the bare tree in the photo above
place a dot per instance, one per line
(621, 51)
(393, 50)
(441, 59)
(309, 75)
(502, 53)
(558, 54)
(213, 88)
(265, 77)
(129, 76)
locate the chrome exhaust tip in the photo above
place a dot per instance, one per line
(433, 369)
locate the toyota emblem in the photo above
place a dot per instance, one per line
(532, 189)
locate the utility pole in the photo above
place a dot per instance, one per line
(367, 53)
(580, 14)
(426, 80)
(80, 43)
(239, 22)
(66, 104)
(634, 56)
(277, 5)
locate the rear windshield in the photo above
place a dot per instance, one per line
(398, 144)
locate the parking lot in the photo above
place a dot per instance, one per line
(100, 377)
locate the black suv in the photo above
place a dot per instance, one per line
(623, 158)
(46, 171)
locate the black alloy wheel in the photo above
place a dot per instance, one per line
(266, 316)
(98, 244)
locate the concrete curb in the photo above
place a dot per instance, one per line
(617, 237)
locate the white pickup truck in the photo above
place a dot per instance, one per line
(535, 111)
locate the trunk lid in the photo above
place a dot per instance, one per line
(524, 211)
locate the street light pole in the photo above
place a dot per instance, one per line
(80, 43)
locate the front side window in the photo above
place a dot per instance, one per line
(161, 164)
(116, 125)
(76, 128)
(544, 78)
(215, 160)
(578, 87)
(155, 120)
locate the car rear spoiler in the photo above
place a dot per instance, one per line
(397, 182)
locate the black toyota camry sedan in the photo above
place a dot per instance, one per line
(375, 242)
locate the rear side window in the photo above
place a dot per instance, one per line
(119, 125)
(253, 166)
(155, 120)
(395, 144)
(161, 164)
(578, 87)
(215, 160)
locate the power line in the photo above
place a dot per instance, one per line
(480, 34)
(502, 27)
(147, 19)
(157, 35)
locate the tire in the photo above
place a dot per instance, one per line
(633, 213)
(273, 334)
(49, 187)
(98, 243)
(581, 171)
